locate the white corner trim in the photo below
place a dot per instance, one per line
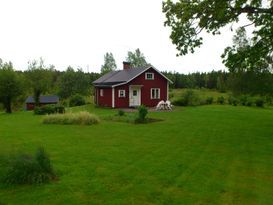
(113, 97)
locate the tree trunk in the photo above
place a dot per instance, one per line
(7, 105)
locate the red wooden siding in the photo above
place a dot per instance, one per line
(122, 102)
(106, 99)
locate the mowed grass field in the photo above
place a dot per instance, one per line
(197, 155)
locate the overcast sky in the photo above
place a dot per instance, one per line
(80, 32)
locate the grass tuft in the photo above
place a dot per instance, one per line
(80, 118)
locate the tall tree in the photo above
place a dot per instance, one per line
(10, 85)
(74, 82)
(136, 58)
(188, 18)
(40, 77)
(109, 63)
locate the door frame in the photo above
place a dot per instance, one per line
(131, 88)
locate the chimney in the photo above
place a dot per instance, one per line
(126, 65)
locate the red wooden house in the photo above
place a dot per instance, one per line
(131, 87)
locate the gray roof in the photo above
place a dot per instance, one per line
(44, 99)
(120, 76)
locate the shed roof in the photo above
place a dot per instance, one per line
(44, 99)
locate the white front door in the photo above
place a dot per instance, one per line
(135, 94)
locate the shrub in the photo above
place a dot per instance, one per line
(233, 101)
(189, 98)
(209, 100)
(26, 169)
(121, 113)
(221, 100)
(142, 113)
(259, 102)
(49, 109)
(249, 102)
(244, 99)
(268, 100)
(80, 118)
(77, 100)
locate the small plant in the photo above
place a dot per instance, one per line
(80, 118)
(77, 100)
(259, 102)
(209, 100)
(142, 113)
(121, 112)
(221, 100)
(26, 169)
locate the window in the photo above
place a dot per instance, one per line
(149, 76)
(134, 92)
(155, 93)
(101, 92)
(121, 93)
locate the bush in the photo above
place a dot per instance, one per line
(80, 118)
(221, 100)
(189, 98)
(209, 100)
(142, 113)
(249, 102)
(121, 113)
(268, 100)
(49, 109)
(26, 169)
(259, 102)
(233, 101)
(244, 99)
(77, 100)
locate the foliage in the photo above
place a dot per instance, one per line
(188, 19)
(74, 82)
(109, 63)
(142, 113)
(259, 102)
(26, 169)
(233, 100)
(121, 112)
(189, 98)
(76, 100)
(10, 86)
(137, 59)
(221, 100)
(49, 109)
(209, 100)
(40, 77)
(80, 118)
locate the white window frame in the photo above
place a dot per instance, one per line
(101, 92)
(120, 95)
(156, 90)
(146, 76)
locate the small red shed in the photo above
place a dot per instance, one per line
(44, 100)
(131, 87)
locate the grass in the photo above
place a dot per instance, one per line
(202, 93)
(214, 154)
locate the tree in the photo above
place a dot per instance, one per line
(137, 59)
(72, 83)
(10, 85)
(188, 19)
(244, 55)
(109, 63)
(40, 77)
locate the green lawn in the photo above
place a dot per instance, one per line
(197, 155)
